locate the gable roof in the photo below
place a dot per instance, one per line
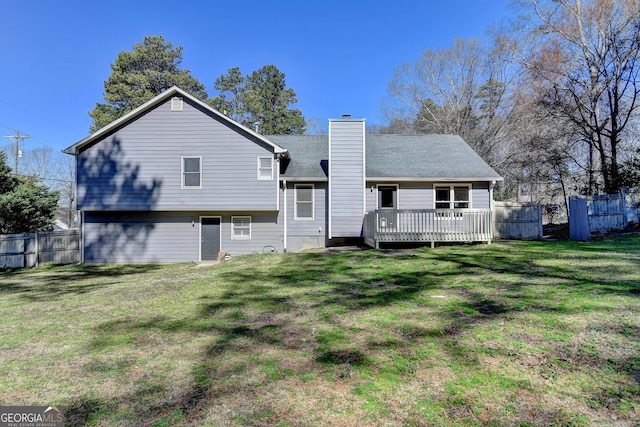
(164, 96)
(307, 153)
(393, 157)
(427, 157)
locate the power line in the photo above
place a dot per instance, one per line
(16, 138)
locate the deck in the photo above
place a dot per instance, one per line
(427, 226)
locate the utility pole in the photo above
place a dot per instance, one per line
(16, 138)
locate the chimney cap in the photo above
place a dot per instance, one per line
(346, 116)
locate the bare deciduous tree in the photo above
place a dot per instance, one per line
(462, 90)
(56, 171)
(583, 54)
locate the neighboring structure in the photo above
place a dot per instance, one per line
(175, 180)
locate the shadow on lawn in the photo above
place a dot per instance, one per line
(48, 283)
(258, 310)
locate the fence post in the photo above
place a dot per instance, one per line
(623, 196)
(37, 249)
(25, 247)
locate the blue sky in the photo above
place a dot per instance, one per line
(337, 55)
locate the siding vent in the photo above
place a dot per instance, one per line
(176, 103)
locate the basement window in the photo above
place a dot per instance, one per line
(241, 228)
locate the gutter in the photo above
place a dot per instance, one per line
(433, 179)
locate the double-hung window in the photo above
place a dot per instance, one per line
(303, 201)
(265, 168)
(192, 172)
(452, 196)
(241, 227)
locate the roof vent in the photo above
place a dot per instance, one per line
(346, 116)
(176, 103)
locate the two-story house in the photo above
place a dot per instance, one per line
(177, 181)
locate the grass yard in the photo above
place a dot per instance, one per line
(508, 334)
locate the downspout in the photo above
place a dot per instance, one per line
(491, 185)
(81, 239)
(284, 242)
(491, 211)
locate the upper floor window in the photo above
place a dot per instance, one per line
(452, 196)
(191, 172)
(265, 168)
(303, 201)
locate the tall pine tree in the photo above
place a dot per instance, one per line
(261, 98)
(137, 76)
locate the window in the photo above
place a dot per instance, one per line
(240, 227)
(387, 196)
(191, 174)
(452, 196)
(176, 103)
(303, 201)
(265, 168)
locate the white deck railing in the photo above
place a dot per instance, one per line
(427, 225)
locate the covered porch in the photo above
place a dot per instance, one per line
(426, 226)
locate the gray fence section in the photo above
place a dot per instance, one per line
(601, 214)
(578, 219)
(33, 249)
(512, 220)
(606, 213)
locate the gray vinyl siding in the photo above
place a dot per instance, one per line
(303, 233)
(480, 195)
(346, 177)
(266, 233)
(419, 195)
(139, 166)
(169, 237)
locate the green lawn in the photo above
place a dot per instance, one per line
(508, 334)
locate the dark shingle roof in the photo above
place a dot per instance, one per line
(425, 157)
(306, 152)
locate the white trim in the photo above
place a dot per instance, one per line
(260, 178)
(330, 188)
(176, 103)
(233, 236)
(452, 200)
(182, 172)
(200, 233)
(303, 179)
(295, 202)
(277, 169)
(432, 179)
(284, 197)
(364, 169)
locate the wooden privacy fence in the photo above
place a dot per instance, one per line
(512, 220)
(600, 214)
(33, 249)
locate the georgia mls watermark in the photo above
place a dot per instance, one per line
(31, 416)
